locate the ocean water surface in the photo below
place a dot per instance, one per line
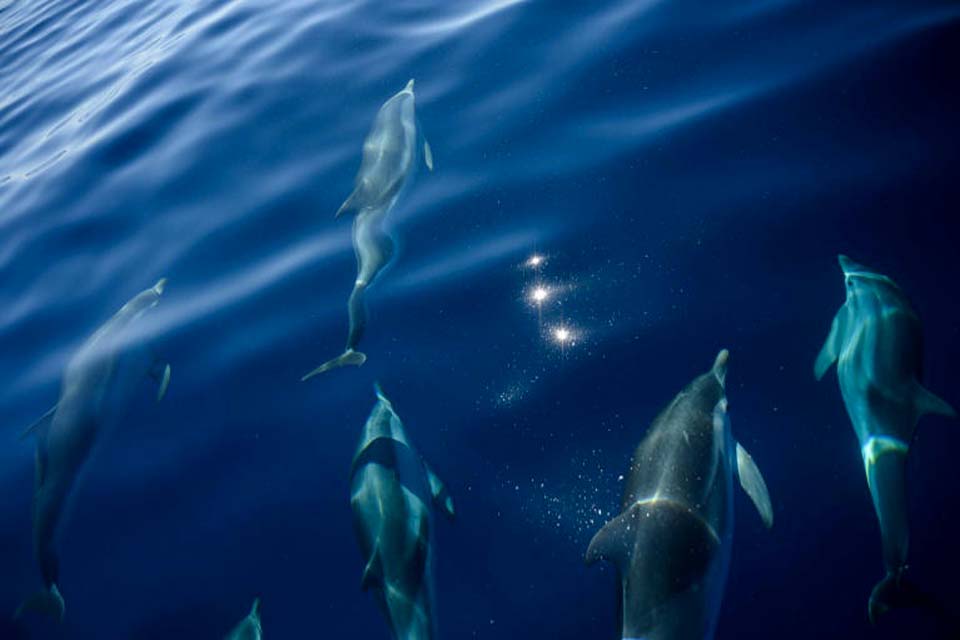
(688, 171)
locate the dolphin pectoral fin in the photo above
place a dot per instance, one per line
(613, 542)
(164, 382)
(348, 357)
(349, 204)
(438, 491)
(825, 358)
(41, 423)
(752, 482)
(373, 572)
(48, 602)
(927, 402)
(427, 155)
(831, 347)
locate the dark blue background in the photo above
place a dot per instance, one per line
(691, 171)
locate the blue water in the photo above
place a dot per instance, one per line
(690, 171)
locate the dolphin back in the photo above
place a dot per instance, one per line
(389, 153)
(392, 489)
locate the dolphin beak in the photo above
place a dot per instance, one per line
(720, 365)
(158, 288)
(851, 267)
(409, 86)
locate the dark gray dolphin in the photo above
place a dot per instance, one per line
(389, 157)
(671, 542)
(876, 340)
(96, 384)
(391, 489)
(249, 628)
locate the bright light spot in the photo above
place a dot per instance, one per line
(563, 335)
(539, 294)
(535, 261)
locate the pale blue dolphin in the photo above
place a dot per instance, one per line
(391, 491)
(876, 341)
(671, 542)
(96, 385)
(389, 158)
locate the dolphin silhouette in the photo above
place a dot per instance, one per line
(389, 158)
(95, 387)
(391, 491)
(671, 542)
(876, 340)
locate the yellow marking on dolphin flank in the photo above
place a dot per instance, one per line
(877, 446)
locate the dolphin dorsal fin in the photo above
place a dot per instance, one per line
(831, 347)
(255, 609)
(41, 423)
(928, 402)
(613, 542)
(752, 482)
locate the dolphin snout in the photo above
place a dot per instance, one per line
(409, 86)
(852, 267)
(720, 365)
(158, 288)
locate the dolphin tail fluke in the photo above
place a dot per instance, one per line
(928, 402)
(897, 592)
(881, 598)
(48, 602)
(348, 357)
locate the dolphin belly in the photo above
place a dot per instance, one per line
(885, 462)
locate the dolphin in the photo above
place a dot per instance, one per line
(389, 158)
(876, 341)
(249, 628)
(391, 490)
(95, 387)
(671, 542)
